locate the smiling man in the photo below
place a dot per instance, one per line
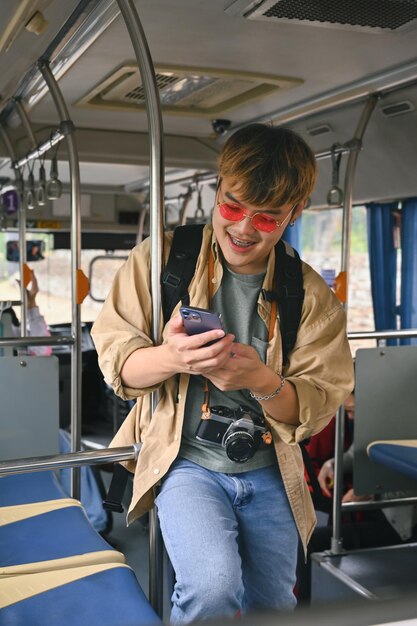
(230, 519)
(246, 245)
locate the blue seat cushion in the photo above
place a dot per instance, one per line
(401, 458)
(52, 535)
(109, 598)
(31, 487)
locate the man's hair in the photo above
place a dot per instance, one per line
(271, 166)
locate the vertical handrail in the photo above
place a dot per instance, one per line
(75, 265)
(336, 541)
(153, 110)
(22, 222)
(21, 225)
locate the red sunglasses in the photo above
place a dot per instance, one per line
(260, 221)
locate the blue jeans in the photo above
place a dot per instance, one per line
(231, 539)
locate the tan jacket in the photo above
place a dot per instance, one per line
(320, 368)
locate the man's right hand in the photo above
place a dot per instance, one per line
(191, 354)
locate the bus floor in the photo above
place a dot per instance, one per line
(385, 573)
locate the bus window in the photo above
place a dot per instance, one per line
(101, 273)
(321, 248)
(53, 273)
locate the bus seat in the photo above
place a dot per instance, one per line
(31, 487)
(381, 415)
(56, 569)
(399, 455)
(35, 536)
(105, 594)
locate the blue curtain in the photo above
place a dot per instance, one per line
(408, 308)
(292, 235)
(383, 265)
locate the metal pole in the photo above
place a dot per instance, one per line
(22, 221)
(37, 341)
(25, 121)
(86, 23)
(38, 151)
(75, 265)
(153, 110)
(371, 505)
(336, 541)
(71, 459)
(22, 261)
(383, 334)
(22, 229)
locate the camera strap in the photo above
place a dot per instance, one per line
(205, 407)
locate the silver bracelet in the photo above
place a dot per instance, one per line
(270, 395)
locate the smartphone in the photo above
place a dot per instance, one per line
(198, 321)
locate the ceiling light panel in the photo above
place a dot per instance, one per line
(191, 91)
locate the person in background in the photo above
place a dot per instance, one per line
(320, 447)
(37, 326)
(230, 528)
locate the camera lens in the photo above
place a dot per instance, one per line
(240, 446)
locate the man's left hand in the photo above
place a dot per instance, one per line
(240, 371)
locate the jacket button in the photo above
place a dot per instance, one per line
(156, 470)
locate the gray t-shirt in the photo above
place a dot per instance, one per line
(236, 300)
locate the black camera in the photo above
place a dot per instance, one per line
(237, 430)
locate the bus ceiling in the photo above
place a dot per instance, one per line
(310, 70)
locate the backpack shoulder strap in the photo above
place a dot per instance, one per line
(288, 293)
(289, 284)
(180, 268)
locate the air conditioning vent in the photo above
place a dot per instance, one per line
(194, 91)
(372, 15)
(323, 129)
(398, 108)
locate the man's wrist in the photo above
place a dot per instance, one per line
(270, 390)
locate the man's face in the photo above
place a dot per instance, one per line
(245, 248)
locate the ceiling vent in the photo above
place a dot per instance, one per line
(191, 91)
(322, 129)
(397, 108)
(372, 15)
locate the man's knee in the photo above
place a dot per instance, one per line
(217, 594)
